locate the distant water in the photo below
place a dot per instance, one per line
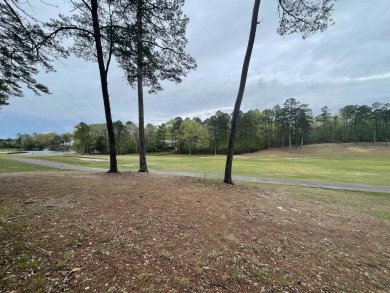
(48, 153)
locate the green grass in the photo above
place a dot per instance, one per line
(7, 166)
(363, 168)
(4, 151)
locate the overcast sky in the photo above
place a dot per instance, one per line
(347, 64)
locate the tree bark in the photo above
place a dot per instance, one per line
(142, 149)
(289, 139)
(240, 95)
(104, 86)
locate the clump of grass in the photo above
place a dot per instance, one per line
(222, 237)
(138, 250)
(260, 274)
(205, 180)
(260, 249)
(144, 276)
(38, 282)
(25, 262)
(237, 276)
(103, 239)
(285, 283)
(182, 282)
(200, 261)
(150, 289)
(139, 226)
(65, 259)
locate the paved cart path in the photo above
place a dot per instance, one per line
(306, 183)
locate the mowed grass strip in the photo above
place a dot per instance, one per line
(358, 167)
(8, 166)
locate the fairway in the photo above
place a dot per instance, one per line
(7, 166)
(362, 164)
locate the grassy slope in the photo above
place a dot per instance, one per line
(332, 163)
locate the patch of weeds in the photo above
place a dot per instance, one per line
(19, 247)
(45, 239)
(237, 276)
(38, 282)
(105, 249)
(376, 284)
(214, 254)
(138, 250)
(7, 280)
(66, 258)
(222, 237)
(169, 245)
(103, 239)
(345, 243)
(144, 276)
(150, 289)
(260, 249)
(25, 262)
(166, 255)
(233, 258)
(201, 262)
(61, 264)
(182, 282)
(70, 242)
(285, 283)
(237, 257)
(372, 264)
(244, 259)
(81, 238)
(12, 230)
(385, 254)
(139, 226)
(261, 275)
(122, 243)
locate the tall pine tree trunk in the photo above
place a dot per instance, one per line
(142, 149)
(104, 86)
(240, 95)
(289, 139)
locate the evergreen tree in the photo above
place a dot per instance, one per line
(155, 52)
(23, 49)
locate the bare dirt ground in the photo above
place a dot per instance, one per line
(88, 232)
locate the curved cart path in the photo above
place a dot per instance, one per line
(57, 165)
(306, 183)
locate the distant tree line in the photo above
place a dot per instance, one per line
(39, 141)
(289, 125)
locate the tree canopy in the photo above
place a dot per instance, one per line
(23, 50)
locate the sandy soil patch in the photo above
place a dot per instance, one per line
(92, 159)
